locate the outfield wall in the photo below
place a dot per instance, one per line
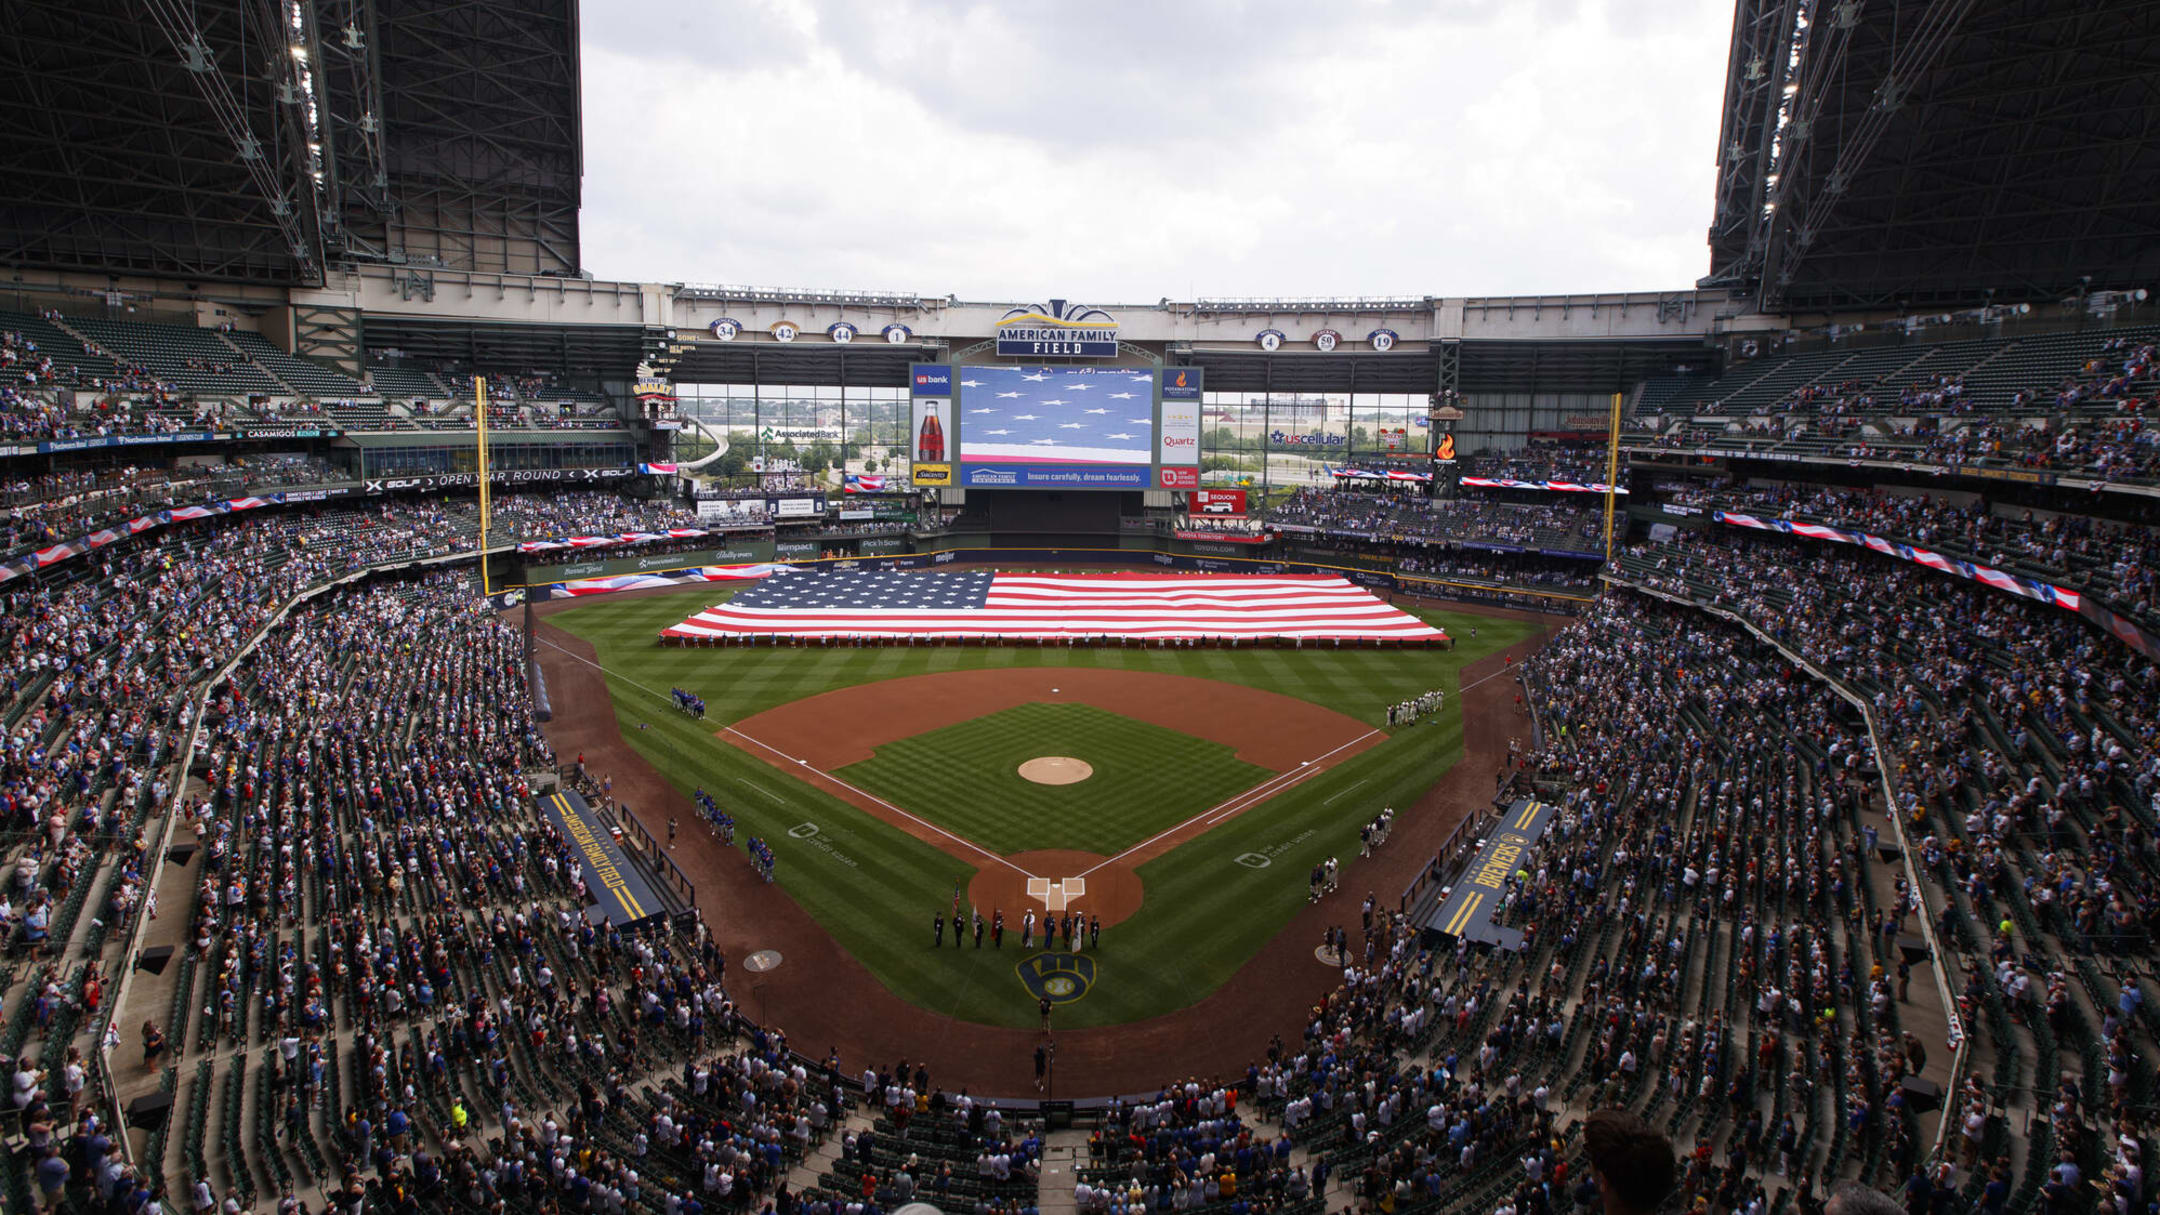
(929, 551)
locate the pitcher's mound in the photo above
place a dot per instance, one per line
(1057, 770)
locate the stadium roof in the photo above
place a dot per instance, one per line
(262, 142)
(1948, 153)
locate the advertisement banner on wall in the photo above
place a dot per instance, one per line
(739, 512)
(1222, 503)
(1177, 438)
(932, 436)
(1026, 476)
(500, 476)
(795, 508)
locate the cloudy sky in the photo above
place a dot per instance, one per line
(1121, 151)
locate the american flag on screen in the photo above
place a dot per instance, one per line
(1036, 606)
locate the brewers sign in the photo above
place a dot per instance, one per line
(1471, 905)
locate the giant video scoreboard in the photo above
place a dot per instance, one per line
(1022, 426)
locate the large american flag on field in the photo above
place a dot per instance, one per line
(976, 604)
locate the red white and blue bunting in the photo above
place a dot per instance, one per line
(2127, 631)
(1379, 474)
(1566, 487)
(53, 554)
(581, 587)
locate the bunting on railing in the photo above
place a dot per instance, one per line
(2118, 626)
(1566, 487)
(39, 559)
(621, 538)
(683, 577)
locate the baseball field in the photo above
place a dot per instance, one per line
(1181, 796)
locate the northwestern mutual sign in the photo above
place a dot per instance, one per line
(1057, 330)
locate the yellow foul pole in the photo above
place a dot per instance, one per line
(1612, 474)
(480, 412)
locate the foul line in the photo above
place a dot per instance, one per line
(760, 788)
(1507, 668)
(805, 765)
(1344, 793)
(1243, 801)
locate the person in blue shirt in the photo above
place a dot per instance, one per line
(52, 1173)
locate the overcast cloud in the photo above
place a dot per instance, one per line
(1123, 152)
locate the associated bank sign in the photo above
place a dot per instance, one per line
(1058, 329)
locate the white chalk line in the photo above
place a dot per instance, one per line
(866, 794)
(1505, 669)
(1243, 801)
(1345, 793)
(961, 840)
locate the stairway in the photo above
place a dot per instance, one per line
(256, 363)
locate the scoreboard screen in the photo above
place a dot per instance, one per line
(1034, 427)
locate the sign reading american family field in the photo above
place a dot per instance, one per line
(1058, 329)
(615, 885)
(1471, 904)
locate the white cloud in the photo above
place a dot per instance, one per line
(1128, 152)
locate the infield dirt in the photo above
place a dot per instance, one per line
(826, 999)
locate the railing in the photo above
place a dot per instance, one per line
(644, 846)
(183, 759)
(1960, 1042)
(1453, 852)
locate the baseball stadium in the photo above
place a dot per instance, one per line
(485, 736)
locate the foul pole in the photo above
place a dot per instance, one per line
(1612, 473)
(480, 411)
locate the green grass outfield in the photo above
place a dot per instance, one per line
(965, 779)
(1209, 904)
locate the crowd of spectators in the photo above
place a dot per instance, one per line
(381, 914)
(1455, 521)
(62, 505)
(2091, 421)
(2025, 777)
(2115, 449)
(587, 512)
(1502, 569)
(2118, 561)
(383, 942)
(1537, 462)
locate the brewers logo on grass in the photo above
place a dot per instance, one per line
(1062, 977)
